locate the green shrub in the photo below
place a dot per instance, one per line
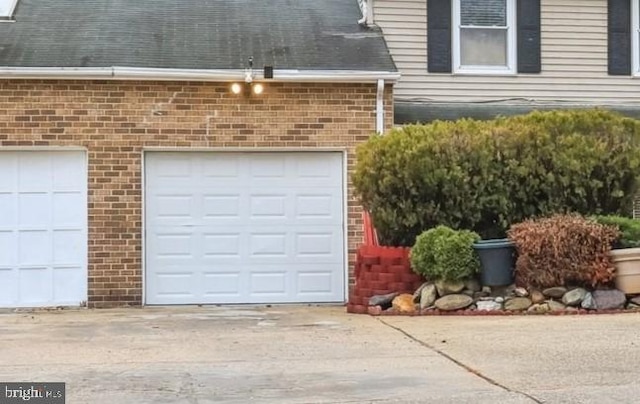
(629, 230)
(563, 250)
(442, 253)
(485, 175)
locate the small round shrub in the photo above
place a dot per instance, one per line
(629, 230)
(445, 254)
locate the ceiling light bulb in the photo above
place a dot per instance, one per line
(236, 88)
(258, 89)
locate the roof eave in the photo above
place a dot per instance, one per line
(159, 74)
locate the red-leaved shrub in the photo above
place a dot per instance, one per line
(563, 250)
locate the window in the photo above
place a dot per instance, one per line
(484, 36)
(481, 36)
(6, 8)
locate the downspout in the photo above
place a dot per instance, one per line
(380, 107)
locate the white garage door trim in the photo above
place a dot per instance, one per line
(342, 152)
(59, 269)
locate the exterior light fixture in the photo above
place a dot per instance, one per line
(236, 88)
(257, 88)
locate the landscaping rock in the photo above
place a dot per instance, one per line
(468, 292)
(449, 288)
(418, 292)
(539, 308)
(486, 289)
(633, 306)
(521, 292)
(609, 299)
(574, 297)
(537, 297)
(499, 299)
(488, 305)
(517, 304)
(635, 300)
(555, 292)
(403, 303)
(480, 295)
(382, 300)
(503, 290)
(588, 302)
(555, 306)
(473, 285)
(428, 296)
(453, 302)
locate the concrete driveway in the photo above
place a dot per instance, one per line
(287, 354)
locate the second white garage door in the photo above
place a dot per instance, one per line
(244, 227)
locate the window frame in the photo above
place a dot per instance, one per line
(635, 40)
(512, 55)
(11, 10)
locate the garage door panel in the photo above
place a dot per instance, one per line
(45, 229)
(178, 284)
(8, 249)
(35, 285)
(66, 206)
(9, 170)
(34, 172)
(34, 210)
(8, 207)
(68, 247)
(34, 247)
(255, 220)
(65, 173)
(69, 284)
(8, 289)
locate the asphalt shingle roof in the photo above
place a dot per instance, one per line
(192, 34)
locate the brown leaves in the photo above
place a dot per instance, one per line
(563, 250)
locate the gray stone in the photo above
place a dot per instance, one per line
(486, 299)
(555, 292)
(521, 292)
(537, 297)
(539, 308)
(449, 287)
(588, 302)
(635, 300)
(499, 299)
(517, 304)
(609, 299)
(555, 306)
(468, 292)
(453, 302)
(473, 285)
(488, 305)
(486, 289)
(428, 296)
(418, 292)
(503, 290)
(633, 306)
(574, 297)
(383, 300)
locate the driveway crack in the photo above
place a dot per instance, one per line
(460, 364)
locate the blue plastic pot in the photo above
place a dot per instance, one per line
(497, 259)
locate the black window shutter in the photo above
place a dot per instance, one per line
(439, 36)
(619, 37)
(528, 28)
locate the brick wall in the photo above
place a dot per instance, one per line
(114, 120)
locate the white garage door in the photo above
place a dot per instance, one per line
(43, 229)
(244, 228)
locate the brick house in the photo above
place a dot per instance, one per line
(132, 173)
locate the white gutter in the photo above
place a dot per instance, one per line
(135, 73)
(380, 107)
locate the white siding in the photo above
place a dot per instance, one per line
(574, 59)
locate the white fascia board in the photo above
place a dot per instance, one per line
(135, 73)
